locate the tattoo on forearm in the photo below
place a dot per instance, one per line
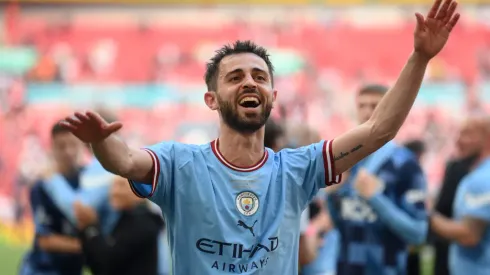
(345, 154)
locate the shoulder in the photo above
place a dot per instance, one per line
(179, 147)
(304, 150)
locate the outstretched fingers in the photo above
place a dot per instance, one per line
(443, 11)
(450, 25)
(433, 11)
(450, 13)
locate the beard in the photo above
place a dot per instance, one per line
(245, 125)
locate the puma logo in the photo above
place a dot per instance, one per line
(250, 228)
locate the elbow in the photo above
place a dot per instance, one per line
(380, 133)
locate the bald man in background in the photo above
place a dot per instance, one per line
(469, 146)
(468, 229)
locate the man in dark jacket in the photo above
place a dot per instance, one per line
(132, 247)
(469, 145)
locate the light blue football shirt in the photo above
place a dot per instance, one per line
(473, 200)
(226, 219)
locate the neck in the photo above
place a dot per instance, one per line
(242, 150)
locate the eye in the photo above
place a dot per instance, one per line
(235, 78)
(261, 78)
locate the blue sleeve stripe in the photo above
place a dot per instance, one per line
(156, 175)
(329, 164)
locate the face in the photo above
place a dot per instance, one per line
(471, 139)
(66, 149)
(245, 96)
(366, 103)
(121, 196)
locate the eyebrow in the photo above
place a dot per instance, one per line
(255, 69)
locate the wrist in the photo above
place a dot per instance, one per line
(419, 58)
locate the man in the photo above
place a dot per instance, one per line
(468, 230)
(380, 209)
(131, 248)
(56, 249)
(469, 145)
(241, 202)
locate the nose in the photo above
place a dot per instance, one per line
(249, 83)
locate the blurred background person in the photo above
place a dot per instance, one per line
(414, 264)
(132, 247)
(469, 145)
(56, 248)
(468, 230)
(380, 209)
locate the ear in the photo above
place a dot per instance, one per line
(274, 95)
(211, 100)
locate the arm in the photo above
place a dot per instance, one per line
(410, 229)
(59, 243)
(430, 35)
(467, 232)
(473, 205)
(117, 158)
(353, 146)
(408, 218)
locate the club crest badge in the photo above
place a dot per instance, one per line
(247, 203)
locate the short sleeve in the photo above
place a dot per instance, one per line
(313, 166)
(476, 200)
(163, 157)
(414, 192)
(42, 219)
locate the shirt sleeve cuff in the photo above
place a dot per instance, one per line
(329, 164)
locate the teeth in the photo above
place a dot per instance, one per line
(249, 98)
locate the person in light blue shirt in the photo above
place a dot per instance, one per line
(231, 205)
(469, 230)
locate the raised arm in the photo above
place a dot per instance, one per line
(113, 153)
(430, 36)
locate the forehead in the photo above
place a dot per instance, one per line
(369, 97)
(243, 61)
(62, 137)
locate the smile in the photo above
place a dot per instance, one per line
(249, 102)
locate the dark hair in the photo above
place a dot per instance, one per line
(212, 67)
(416, 146)
(373, 89)
(273, 131)
(58, 129)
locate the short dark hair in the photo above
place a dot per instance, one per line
(416, 146)
(58, 129)
(373, 89)
(273, 131)
(212, 67)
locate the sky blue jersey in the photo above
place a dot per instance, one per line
(473, 201)
(226, 219)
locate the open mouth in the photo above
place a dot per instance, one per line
(249, 102)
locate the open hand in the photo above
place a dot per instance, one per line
(432, 32)
(90, 127)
